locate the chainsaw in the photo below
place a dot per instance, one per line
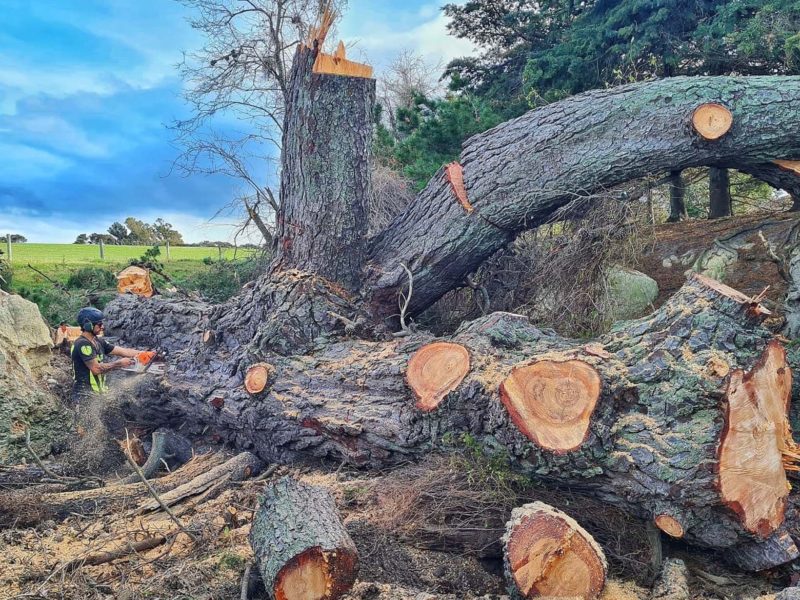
(146, 362)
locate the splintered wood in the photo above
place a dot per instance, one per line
(756, 440)
(257, 377)
(435, 370)
(135, 280)
(552, 402)
(455, 176)
(548, 554)
(712, 121)
(336, 63)
(789, 165)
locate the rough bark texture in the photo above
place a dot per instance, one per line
(301, 547)
(325, 173)
(518, 173)
(673, 582)
(719, 193)
(652, 442)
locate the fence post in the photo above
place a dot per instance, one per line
(102, 250)
(169, 257)
(8, 245)
(219, 248)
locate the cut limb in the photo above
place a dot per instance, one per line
(455, 175)
(169, 450)
(434, 371)
(712, 121)
(756, 441)
(257, 377)
(301, 547)
(669, 525)
(552, 402)
(548, 554)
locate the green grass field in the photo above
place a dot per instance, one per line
(89, 254)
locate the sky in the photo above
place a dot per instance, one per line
(87, 88)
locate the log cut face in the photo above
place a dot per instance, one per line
(301, 547)
(755, 437)
(653, 437)
(547, 553)
(516, 174)
(434, 371)
(552, 402)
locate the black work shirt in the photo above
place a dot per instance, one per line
(83, 352)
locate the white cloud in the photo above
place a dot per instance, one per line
(378, 43)
(57, 134)
(29, 163)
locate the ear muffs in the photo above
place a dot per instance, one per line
(88, 326)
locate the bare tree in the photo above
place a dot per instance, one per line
(236, 85)
(407, 76)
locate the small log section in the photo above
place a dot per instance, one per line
(669, 525)
(712, 121)
(756, 442)
(548, 554)
(552, 402)
(301, 547)
(434, 371)
(169, 449)
(257, 377)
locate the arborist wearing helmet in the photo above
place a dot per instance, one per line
(89, 353)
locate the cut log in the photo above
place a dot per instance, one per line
(301, 547)
(135, 280)
(434, 371)
(552, 402)
(257, 377)
(548, 554)
(755, 441)
(669, 525)
(168, 450)
(712, 121)
(673, 582)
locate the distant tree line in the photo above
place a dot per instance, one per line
(135, 233)
(15, 239)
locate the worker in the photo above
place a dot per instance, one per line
(89, 353)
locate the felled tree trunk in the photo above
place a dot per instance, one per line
(719, 193)
(643, 417)
(301, 547)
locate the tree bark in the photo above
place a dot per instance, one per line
(677, 195)
(650, 443)
(518, 173)
(719, 193)
(325, 172)
(301, 547)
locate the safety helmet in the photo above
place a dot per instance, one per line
(89, 317)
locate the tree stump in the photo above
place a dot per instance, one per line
(548, 554)
(301, 547)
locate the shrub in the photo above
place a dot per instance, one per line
(91, 278)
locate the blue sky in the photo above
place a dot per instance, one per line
(87, 87)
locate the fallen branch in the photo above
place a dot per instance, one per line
(109, 556)
(153, 493)
(55, 478)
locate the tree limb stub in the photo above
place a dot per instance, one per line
(257, 377)
(301, 547)
(754, 440)
(548, 554)
(521, 171)
(552, 402)
(712, 121)
(669, 525)
(434, 371)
